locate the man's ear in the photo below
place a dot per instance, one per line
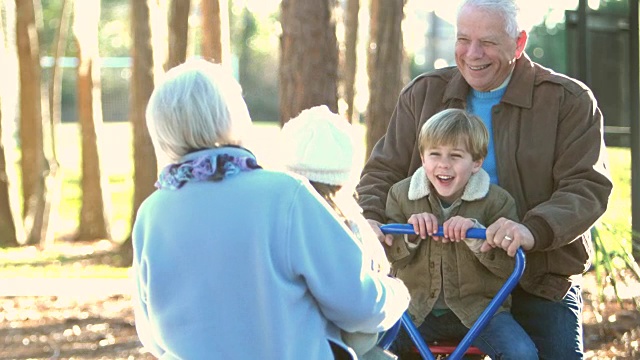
(521, 42)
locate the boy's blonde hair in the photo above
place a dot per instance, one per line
(455, 127)
(197, 105)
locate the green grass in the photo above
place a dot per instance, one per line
(64, 271)
(117, 163)
(614, 264)
(73, 261)
(615, 225)
(118, 166)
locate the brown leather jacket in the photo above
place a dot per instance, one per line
(548, 139)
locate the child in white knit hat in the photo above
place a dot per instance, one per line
(321, 146)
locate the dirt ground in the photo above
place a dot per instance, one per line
(611, 330)
(50, 327)
(101, 326)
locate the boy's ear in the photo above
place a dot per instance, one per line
(477, 165)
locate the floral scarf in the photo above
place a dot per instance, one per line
(209, 167)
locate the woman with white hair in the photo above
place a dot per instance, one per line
(232, 261)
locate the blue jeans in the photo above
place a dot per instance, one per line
(502, 339)
(555, 327)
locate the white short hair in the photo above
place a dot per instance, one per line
(196, 105)
(507, 9)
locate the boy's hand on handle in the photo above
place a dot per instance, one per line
(385, 239)
(508, 235)
(424, 225)
(455, 229)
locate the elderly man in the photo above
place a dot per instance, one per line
(546, 149)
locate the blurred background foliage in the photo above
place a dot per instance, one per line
(255, 47)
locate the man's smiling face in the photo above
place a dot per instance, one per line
(485, 52)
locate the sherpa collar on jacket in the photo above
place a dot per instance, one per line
(477, 187)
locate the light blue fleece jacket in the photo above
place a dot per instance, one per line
(255, 266)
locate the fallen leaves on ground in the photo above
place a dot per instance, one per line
(102, 327)
(50, 327)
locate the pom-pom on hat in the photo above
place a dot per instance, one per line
(319, 145)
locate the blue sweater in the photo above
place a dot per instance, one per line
(480, 104)
(255, 266)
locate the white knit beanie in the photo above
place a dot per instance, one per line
(319, 145)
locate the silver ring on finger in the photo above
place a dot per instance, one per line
(507, 238)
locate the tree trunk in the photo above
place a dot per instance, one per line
(308, 57)
(8, 231)
(8, 218)
(431, 50)
(350, 57)
(95, 209)
(178, 32)
(384, 65)
(11, 225)
(33, 163)
(51, 98)
(215, 30)
(55, 84)
(245, 58)
(144, 159)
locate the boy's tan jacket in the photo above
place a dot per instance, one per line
(469, 280)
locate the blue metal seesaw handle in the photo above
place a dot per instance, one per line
(483, 319)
